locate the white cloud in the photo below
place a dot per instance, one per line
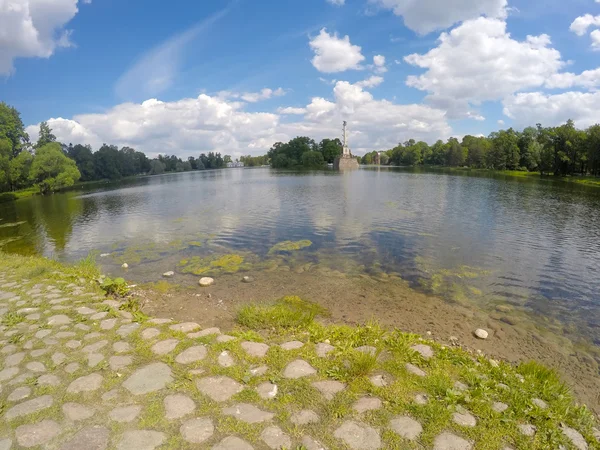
(425, 16)
(263, 94)
(33, 29)
(379, 64)
(479, 61)
(501, 122)
(582, 23)
(291, 110)
(334, 54)
(213, 123)
(337, 2)
(587, 79)
(550, 110)
(158, 68)
(370, 82)
(595, 35)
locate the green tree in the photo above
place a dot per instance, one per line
(19, 170)
(11, 128)
(157, 167)
(52, 169)
(84, 158)
(455, 154)
(227, 159)
(331, 149)
(313, 159)
(46, 135)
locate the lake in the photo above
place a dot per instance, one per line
(531, 244)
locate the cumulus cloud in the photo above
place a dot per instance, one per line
(291, 110)
(425, 16)
(337, 2)
(263, 94)
(581, 25)
(589, 79)
(335, 54)
(33, 28)
(379, 64)
(595, 35)
(552, 110)
(370, 82)
(479, 61)
(215, 123)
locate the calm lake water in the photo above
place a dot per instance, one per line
(532, 243)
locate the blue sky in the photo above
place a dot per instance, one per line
(226, 73)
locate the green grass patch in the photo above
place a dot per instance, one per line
(288, 312)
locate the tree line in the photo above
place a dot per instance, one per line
(50, 165)
(304, 152)
(562, 151)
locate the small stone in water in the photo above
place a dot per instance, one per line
(168, 274)
(247, 279)
(206, 281)
(125, 266)
(481, 334)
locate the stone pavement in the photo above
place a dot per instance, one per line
(78, 372)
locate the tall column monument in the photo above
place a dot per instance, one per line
(346, 161)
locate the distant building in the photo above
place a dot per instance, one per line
(235, 164)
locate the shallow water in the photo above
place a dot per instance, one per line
(531, 243)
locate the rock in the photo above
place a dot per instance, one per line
(258, 371)
(168, 274)
(449, 441)
(247, 279)
(275, 438)
(60, 319)
(414, 370)
(125, 266)
(164, 347)
(125, 414)
(406, 427)
(463, 418)
(58, 358)
(329, 388)
(150, 378)
(104, 255)
(14, 359)
(90, 438)
(379, 380)
(323, 349)
(119, 362)
(366, 404)
(94, 359)
(298, 369)
(255, 348)
(87, 383)
(93, 348)
(8, 373)
(85, 311)
(192, 354)
(75, 411)
(126, 330)
(108, 324)
(72, 367)
(293, 345)
(178, 406)
(267, 390)
(527, 429)
(35, 366)
(311, 444)
(225, 359)
(304, 417)
(421, 399)
(197, 431)
(481, 334)
(225, 338)
(29, 407)
(368, 349)
(19, 394)
(539, 403)
(99, 316)
(248, 413)
(219, 388)
(232, 443)
(575, 437)
(121, 347)
(73, 344)
(424, 350)
(461, 387)
(358, 436)
(150, 333)
(185, 327)
(206, 281)
(37, 434)
(141, 440)
(499, 407)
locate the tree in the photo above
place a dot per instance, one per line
(12, 129)
(46, 135)
(290, 154)
(107, 163)
(51, 169)
(331, 149)
(455, 156)
(19, 170)
(157, 167)
(84, 158)
(313, 159)
(226, 159)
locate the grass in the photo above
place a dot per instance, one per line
(288, 312)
